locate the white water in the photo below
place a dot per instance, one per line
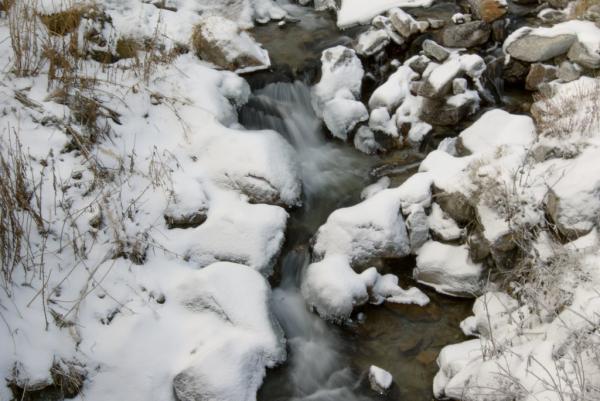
(317, 367)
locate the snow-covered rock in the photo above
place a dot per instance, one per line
(341, 71)
(372, 42)
(442, 226)
(380, 380)
(448, 269)
(371, 229)
(354, 12)
(221, 41)
(342, 115)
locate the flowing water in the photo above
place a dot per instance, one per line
(328, 362)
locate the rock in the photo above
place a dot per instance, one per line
(439, 81)
(435, 51)
(342, 115)
(176, 219)
(372, 42)
(499, 30)
(581, 55)
(469, 34)
(456, 205)
(568, 71)
(403, 22)
(448, 269)
(440, 112)
(436, 23)
(488, 10)
(442, 227)
(379, 379)
(534, 48)
(419, 63)
(515, 71)
(383, 22)
(539, 74)
(220, 41)
(341, 70)
(593, 14)
(459, 85)
(460, 18)
(552, 16)
(418, 227)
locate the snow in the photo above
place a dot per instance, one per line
(395, 89)
(511, 130)
(376, 187)
(371, 229)
(381, 380)
(354, 12)
(341, 71)
(342, 115)
(448, 269)
(442, 225)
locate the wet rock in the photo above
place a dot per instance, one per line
(436, 23)
(515, 71)
(469, 34)
(220, 41)
(534, 48)
(372, 42)
(552, 16)
(435, 51)
(579, 54)
(539, 74)
(488, 10)
(568, 71)
(499, 30)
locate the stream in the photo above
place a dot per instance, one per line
(327, 362)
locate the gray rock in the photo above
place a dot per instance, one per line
(175, 219)
(533, 48)
(418, 227)
(435, 51)
(403, 22)
(552, 16)
(456, 205)
(419, 64)
(436, 23)
(469, 34)
(539, 74)
(579, 54)
(459, 85)
(568, 71)
(479, 247)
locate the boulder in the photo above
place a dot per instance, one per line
(222, 42)
(534, 48)
(581, 55)
(371, 42)
(403, 22)
(568, 71)
(488, 10)
(469, 34)
(539, 74)
(448, 269)
(342, 115)
(435, 51)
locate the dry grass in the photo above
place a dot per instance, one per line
(63, 22)
(561, 115)
(25, 38)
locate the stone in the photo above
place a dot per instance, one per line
(436, 23)
(371, 42)
(439, 112)
(552, 16)
(185, 220)
(419, 63)
(379, 379)
(403, 22)
(579, 54)
(459, 85)
(418, 227)
(439, 81)
(456, 205)
(568, 71)
(534, 48)
(488, 10)
(593, 14)
(539, 74)
(342, 115)
(469, 34)
(222, 42)
(435, 51)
